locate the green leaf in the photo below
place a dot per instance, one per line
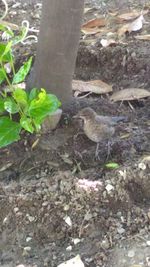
(10, 105)
(6, 50)
(3, 28)
(112, 165)
(22, 72)
(2, 75)
(2, 105)
(5, 57)
(33, 94)
(20, 96)
(37, 125)
(26, 123)
(9, 132)
(43, 105)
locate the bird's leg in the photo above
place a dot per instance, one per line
(97, 151)
(109, 144)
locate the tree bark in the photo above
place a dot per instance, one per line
(57, 47)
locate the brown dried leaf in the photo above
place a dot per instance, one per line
(129, 94)
(5, 167)
(113, 13)
(134, 26)
(94, 86)
(35, 143)
(129, 16)
(98, 22)
(87, 9)
(90, 31)
(143, 37)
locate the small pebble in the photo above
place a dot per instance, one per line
(16, 209)
(5, 221)
(109, 188)
(66, 207)
(148, 243)
(76, 241)
(142, 166)
(36, 16)
(131, 253)
(44, 204)
(27, 249)
(28, 239)
(69, 248)
(105, 244)
(120, 230)
(30, 218)
(68, 221)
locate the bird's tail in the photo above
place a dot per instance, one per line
(119, 118)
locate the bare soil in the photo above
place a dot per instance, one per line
(49, 179)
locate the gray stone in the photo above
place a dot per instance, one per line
(51, 121)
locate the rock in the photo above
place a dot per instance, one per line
(131, 253)
(76, 241)
(69, 248)
(105, 244)
(27, 248)
(120, 230)
(109, 188)
(51, 121)
(28, 239)
(148, 243)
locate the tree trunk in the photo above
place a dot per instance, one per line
(57, 47)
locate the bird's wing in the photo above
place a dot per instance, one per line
(104, 120)
(110, 120)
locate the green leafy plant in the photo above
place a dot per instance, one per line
(32, 107)
(112, 165)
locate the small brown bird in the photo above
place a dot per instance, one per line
(98, 128)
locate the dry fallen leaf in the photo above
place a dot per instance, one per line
(94, 86)
(134, 26)
(131, 15)
(129, 94)
(137, 24)
(88, 41)
(91, 31)
(113, 13)
(143, 37)
(5, 167)
(128, 16)
(87, 9)
(35, 143)
(98, 22)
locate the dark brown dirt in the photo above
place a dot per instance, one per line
(45, 183)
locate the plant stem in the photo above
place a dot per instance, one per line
(12, 64)
(6, 76)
